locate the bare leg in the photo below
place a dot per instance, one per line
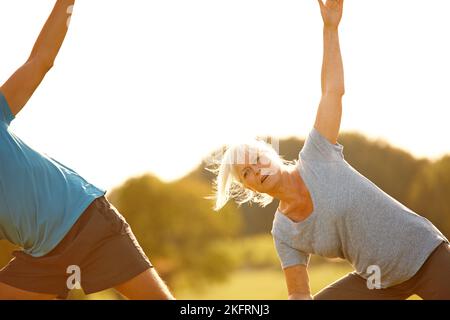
(146, 286)
(10, 293)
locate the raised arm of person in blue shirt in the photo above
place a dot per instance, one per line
(19, 88)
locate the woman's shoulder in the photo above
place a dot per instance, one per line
(318, 148)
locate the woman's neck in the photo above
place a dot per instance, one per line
(294, 196)
(291, 187)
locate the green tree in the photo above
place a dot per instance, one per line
(177, 227)
(429, 195)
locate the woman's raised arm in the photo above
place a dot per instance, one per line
(19, 88)
(328, 120)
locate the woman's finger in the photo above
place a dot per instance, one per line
(321, 4)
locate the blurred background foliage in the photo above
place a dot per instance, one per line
(202, 254)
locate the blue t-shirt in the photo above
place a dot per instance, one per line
(40, 199)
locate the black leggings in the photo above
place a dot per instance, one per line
(432, 281)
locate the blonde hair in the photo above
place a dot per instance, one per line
(227, 184)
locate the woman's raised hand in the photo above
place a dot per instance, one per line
(331, 12)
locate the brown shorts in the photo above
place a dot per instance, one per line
(100, 248)
(431, 282)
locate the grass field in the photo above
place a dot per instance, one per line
(264, 284)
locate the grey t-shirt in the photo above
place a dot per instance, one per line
(353, 219)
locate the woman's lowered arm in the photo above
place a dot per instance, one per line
(297, 281)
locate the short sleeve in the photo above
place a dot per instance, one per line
(289, 256)
(5, 112)
(317, 147)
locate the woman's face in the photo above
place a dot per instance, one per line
(259, 171)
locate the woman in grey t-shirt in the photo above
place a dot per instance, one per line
(328, 208)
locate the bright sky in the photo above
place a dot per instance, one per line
(154, 86)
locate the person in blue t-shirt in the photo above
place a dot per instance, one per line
(70, 234)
